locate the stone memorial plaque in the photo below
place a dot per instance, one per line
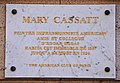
(60, 41)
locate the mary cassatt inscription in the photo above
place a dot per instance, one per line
(60, 41)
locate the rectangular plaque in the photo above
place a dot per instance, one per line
(60, 41)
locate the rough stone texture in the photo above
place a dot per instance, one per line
(118, 41)
(2, 40)
(89, 1)
(32, 1)
(61, 1)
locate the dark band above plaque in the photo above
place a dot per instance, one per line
(60, 41)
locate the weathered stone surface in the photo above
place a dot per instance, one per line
(2, 40)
